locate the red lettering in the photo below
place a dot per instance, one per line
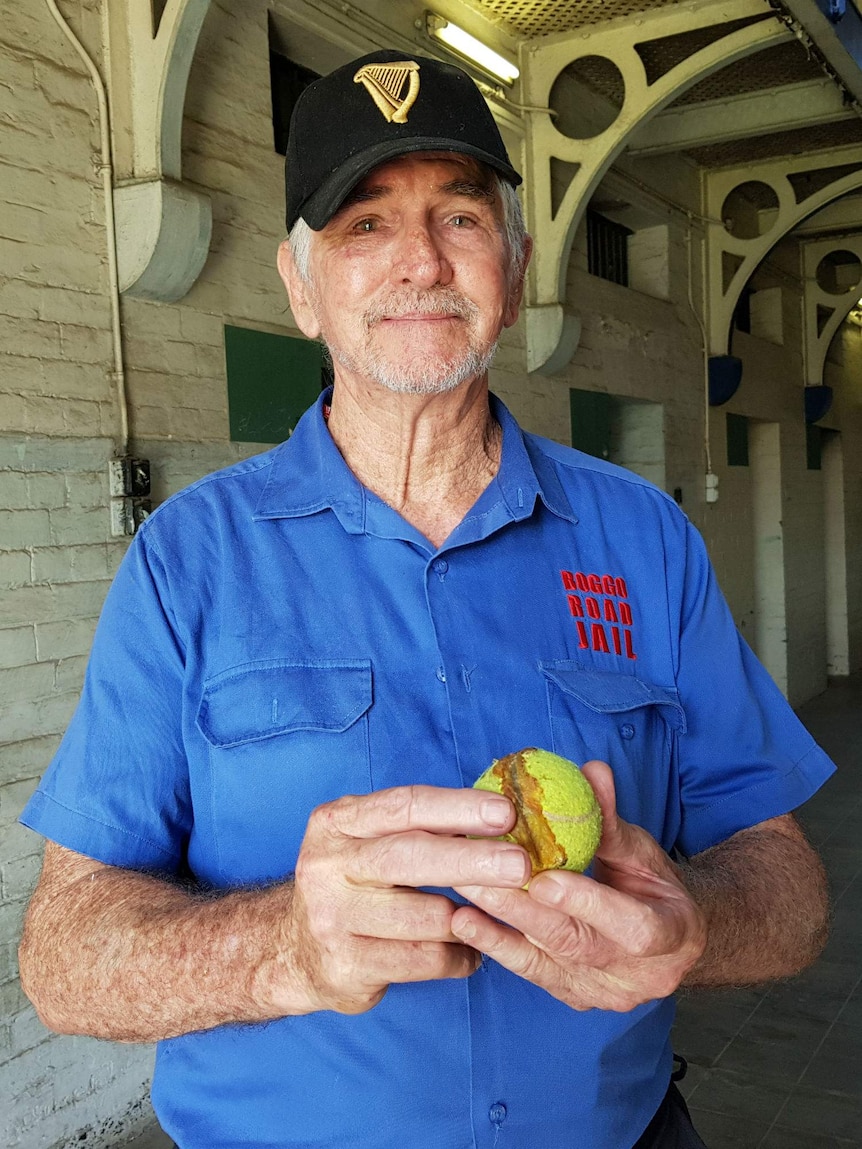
(595, 584)
(622, 589)
(625, 614)
(609, 586)
(568, 580)
(593, 608)
(610, 611)
(581, 581)
(582, 636)
(575, 606)
(615, 637)
(629, 652)
(600, 639)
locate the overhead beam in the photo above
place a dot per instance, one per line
(843, 215)
(840, 44)
(789, 107)
(583, 160)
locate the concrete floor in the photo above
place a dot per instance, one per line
(781, 1068)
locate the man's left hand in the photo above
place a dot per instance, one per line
(613, 941)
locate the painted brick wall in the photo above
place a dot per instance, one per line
(58, 422)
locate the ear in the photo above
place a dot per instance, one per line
(516, 291)
(298, 292)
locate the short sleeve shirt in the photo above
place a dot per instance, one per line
(277, 636)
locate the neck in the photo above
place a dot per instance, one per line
(427, 456)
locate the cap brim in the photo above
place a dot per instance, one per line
(320, 207)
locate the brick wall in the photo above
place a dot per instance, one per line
(58, 423)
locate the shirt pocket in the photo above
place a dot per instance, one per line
(282, 737)
(631, 724)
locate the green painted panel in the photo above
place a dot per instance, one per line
(737, 440)
(591, 414)
(271, 380)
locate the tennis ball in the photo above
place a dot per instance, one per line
(559, 820)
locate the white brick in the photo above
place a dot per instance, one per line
(14, 493)
(28, 1031)
(24, 604)
(24, 761)
(27, 683)
(8, 971)
(18, 877)
(69, 674)
(17, 646)
(64, 639)
(47, 491)
(71, 563)
(52, 454)
(71, 525)
(14, 570)
(25, 528)
(21, 720)
(16, 841)
(88, 490)
(14, 796)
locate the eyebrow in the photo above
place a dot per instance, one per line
(471, 189)
(366, 195)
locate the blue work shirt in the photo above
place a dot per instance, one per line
(277, 636)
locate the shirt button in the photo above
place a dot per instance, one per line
(441, 674)
(627, 730)
(497, 1113)
(440, 566)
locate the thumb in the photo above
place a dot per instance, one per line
(601, 778)
(624, 846)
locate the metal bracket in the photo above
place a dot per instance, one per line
(162, 248)
(588, 159)
(799, 186)
(825, 311)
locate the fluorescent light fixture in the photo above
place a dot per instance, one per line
(470, 48)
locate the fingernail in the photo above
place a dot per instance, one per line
(497, 812)
(465, 930)
(511, 866)
(548, 890)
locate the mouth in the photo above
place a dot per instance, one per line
(420, 317)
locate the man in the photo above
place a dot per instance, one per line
(264, 849)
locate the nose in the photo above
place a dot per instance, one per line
(420, 260)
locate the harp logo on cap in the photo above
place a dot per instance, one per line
(385, 84)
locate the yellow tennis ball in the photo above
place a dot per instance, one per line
(559, 820)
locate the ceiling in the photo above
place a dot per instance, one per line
(812, 76)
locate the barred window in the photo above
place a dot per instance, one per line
(607, 248)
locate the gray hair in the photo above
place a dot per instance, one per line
(514, 230)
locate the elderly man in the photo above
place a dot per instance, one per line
(264, 851)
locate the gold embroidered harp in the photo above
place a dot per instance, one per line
(385, 84)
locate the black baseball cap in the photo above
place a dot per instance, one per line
(375, 108)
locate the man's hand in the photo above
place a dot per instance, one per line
(132, 957)
(357, 920)
(613, 942)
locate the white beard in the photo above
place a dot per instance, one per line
(424, 376)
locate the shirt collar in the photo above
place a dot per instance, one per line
(309, 475)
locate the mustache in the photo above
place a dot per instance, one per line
(440, 301)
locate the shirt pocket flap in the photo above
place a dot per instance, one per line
(609, 693)
(264, 699)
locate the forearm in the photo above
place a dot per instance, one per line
(765, 897)
(125, 956)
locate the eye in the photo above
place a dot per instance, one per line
(461, 221)
(365, 225)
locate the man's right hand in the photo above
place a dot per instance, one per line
(358, 921)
